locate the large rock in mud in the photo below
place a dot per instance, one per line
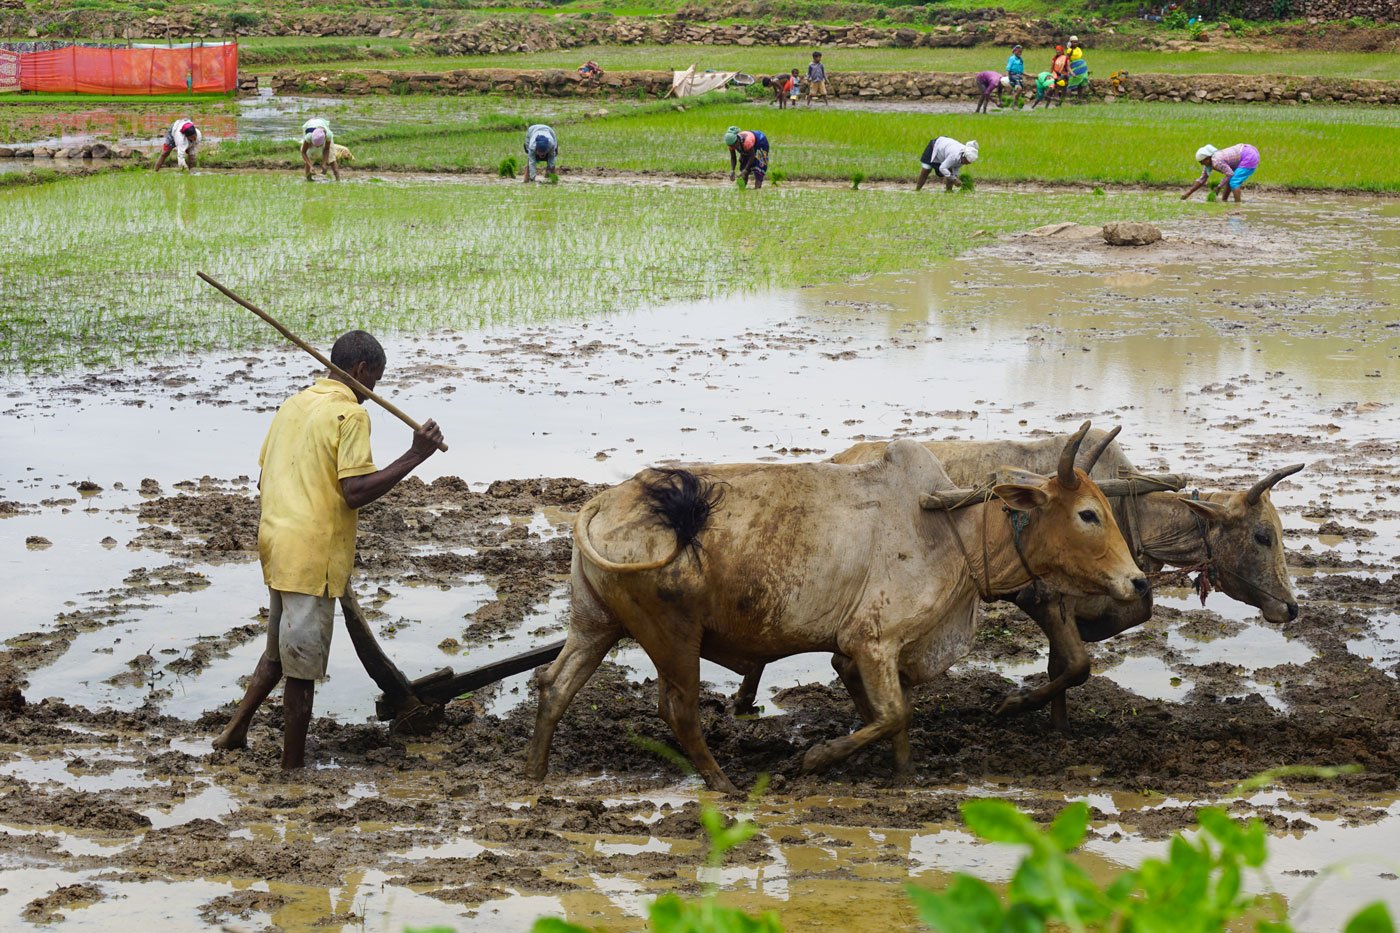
(1130, 233)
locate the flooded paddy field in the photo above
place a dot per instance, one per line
(1247, 339)
(25, 124)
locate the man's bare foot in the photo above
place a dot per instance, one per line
(230, 741)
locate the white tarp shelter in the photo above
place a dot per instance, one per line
(689, 84)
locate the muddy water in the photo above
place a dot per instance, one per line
(265, 116)
(1251, 338)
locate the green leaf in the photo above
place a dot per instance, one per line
(966, 905)
(1021, 919)
(1000, 821)
(1070, 825)
(542, 925)
(1373, 918)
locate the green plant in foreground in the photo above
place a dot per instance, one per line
(967, 183)
(508, 167)
(777, 177)
(1198, 887)
(552, 178)
(856, 179)
(1098, 191)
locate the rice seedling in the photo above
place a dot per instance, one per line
(856, 178)
(508, 167)
(415, 256)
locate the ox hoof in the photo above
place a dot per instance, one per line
(747, 709)
(816, 759)
(1017, 702)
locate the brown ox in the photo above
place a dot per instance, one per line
(1235, 538)
(748, 563)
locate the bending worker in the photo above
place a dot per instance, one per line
(316, 134)
(945, 156)
(182, 138)
(1235, 165)
(748, 149)
(987, 84)
(317, 472)
(540, 146)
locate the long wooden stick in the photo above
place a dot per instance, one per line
(354, 383)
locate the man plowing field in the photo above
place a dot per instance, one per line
(317, 471)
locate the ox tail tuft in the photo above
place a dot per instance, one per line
(683, 502)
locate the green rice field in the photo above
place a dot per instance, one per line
(1124, 143)
(414, 255)
(768, 59)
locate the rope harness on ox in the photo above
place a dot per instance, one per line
(1208, 570)
(982, 495)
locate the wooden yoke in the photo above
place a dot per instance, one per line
(1135, 485)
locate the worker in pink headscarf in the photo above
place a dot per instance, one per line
(316, 134)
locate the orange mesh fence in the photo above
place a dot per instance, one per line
(113, 70)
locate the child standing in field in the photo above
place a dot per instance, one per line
(794, 87)
(816, 79)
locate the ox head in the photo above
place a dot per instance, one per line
(1246, 545)
(1069, 537)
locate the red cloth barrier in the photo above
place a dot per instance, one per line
(115, 70)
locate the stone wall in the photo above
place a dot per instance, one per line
(911, 85)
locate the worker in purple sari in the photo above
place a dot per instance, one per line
(1235, 165)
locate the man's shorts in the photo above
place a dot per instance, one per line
(816, 88)
(1016, 79)
(169, 144)
(1239, 176)
(299, 631)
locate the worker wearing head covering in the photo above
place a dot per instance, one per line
(1235, 165)
(987, 84)
(1044, 84)
(1076, 52)
(541, 145)
(1016, 69)
(945, 157)
(316, 134)
(182, 138)
(748, 150)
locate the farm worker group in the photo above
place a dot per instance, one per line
(317, 471)
(1235, 165)
(182, 139)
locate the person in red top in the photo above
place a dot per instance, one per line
(1059, 71)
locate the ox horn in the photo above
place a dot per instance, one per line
(1068, 479)
(1088, 460)
(1267, 483)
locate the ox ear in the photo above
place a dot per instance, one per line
(1021, 497)
(1211, 511)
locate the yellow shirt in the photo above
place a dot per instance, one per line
(1076, 54)
(306, 537)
